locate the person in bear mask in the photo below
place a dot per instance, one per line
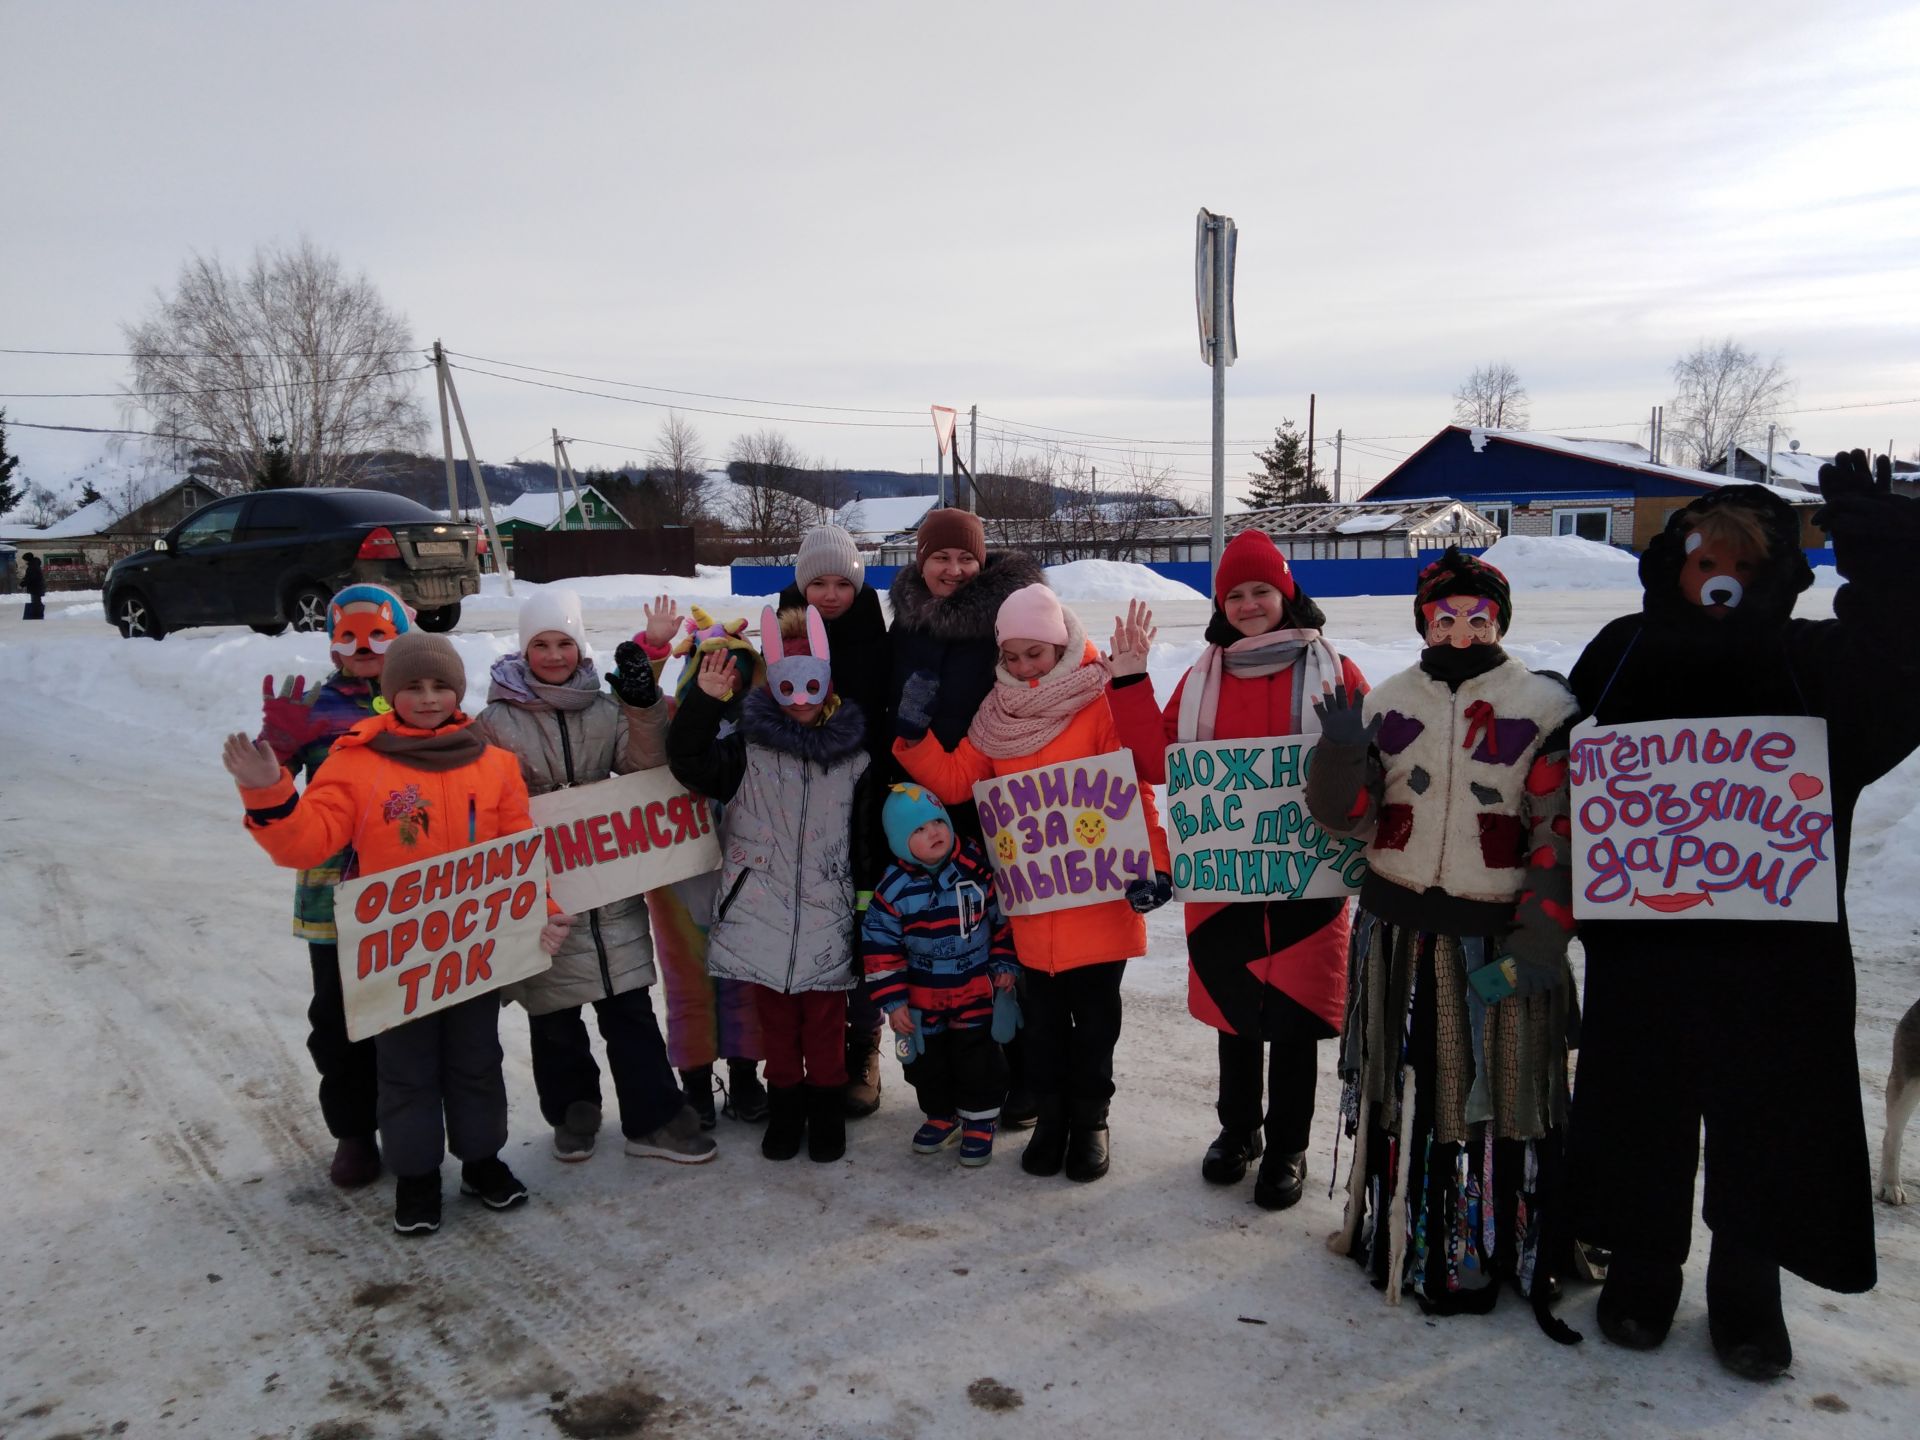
(1744, 1025)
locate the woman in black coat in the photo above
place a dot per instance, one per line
(1745, 1025)
(34, 581)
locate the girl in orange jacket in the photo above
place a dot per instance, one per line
(1049, 705)
(412, 783)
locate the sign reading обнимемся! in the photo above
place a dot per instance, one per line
(1065, 835)
(1715, 819)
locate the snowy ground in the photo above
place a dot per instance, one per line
(178, 1264)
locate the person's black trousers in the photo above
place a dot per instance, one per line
(446, 1064)
(1292, 1074)
(961, 1070)
(349, 1069)
(564, 1070)
(1073, 1025)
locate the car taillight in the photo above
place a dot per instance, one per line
(379, 545)
(481, 536)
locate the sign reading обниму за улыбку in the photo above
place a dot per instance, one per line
(1238, 826)
(1065, 835)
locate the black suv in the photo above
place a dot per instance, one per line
(274, 558)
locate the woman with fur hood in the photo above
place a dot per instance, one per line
(1745, 1025)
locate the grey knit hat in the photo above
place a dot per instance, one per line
(417, 654)
(828, 550)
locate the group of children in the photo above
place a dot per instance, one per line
(854, 896)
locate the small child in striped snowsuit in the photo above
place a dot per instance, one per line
(936, 949)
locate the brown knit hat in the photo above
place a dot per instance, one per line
(416, 655)
(950, 530)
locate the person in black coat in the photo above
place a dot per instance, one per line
(34, 581)
(1745, 1025)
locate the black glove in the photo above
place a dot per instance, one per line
(632, 679)
(1145, 895)
(1340, 719)
(914, 713)
(1872, 529)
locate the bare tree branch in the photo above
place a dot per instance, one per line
(1725, 394)
(1492, 398)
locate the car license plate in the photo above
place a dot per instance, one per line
(440, 547)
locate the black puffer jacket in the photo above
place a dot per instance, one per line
(862, 668)
(952, 637)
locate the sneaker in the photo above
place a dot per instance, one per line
(492, 1184)
(416, 1203)
(746, 1097)
(976, 1138)
(356, 1162)
(574, 1138)
(680, 1140)
(697, 1085)
(936, 1135)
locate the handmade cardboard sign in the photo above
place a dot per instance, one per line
(1238, 826)
(1718, 819)
(623, 837)
(1065, 835)
(421, 937)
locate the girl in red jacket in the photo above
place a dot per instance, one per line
(1049, 704)
(1264, 973)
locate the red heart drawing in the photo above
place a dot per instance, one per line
(1805, 786)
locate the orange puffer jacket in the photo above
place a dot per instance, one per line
(391, 813)
(1060, 939)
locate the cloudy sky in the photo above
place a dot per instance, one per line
(883, 206)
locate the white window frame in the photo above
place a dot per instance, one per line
(1493, 514)
(1566, 520)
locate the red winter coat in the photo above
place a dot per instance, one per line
(1254, 966)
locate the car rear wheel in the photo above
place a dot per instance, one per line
(440, 618)
(306, 608)
(136, 617)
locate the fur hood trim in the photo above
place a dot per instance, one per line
(968, 613)
(764, 722)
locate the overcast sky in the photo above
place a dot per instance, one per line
(888, 205)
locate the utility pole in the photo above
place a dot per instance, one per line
(1730, 452)
(1214, 243)
(973, 457)
(446, 430)
(449, 393)
(1770, 430)
(1339, 437)
(1310, 403)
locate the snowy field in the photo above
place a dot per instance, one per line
(179, 1265)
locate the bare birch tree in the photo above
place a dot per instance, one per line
(768, 515)
(677, 469)
(291, 346)
(1492, 398)
(1724, 394)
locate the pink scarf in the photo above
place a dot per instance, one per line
(1255, 658)
(1021, 717)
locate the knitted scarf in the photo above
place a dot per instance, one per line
(1254, 658)
(454, 744)
(1019, 717)
(513, 681)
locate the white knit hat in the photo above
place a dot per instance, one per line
(553, 609)
(828, 550)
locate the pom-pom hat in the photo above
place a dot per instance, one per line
(1249, 556)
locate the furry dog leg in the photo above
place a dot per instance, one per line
(1903, 1094)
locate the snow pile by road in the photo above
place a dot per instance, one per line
(710, 586)
(1113, 580)
(1563, 562)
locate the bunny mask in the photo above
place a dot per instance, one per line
(803, 678)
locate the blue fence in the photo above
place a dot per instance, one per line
(1320, 578)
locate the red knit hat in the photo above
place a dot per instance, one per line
(1251, 555)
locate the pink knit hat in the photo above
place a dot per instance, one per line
(1031, 613)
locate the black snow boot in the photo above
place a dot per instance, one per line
(1047, 1149)
(826, 1122)
(697, 1085)
(1281, 1180)
(1087, 1156)
(786, 1122)
(1743, 1312)
(1229, 1155)
(491, 1183)
(746, 1096)
(1638, 1300)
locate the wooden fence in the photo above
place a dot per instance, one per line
(543, 555)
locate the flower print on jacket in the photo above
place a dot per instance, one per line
(409, 808)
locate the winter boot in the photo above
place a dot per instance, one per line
(1281, 1180)
(1087, 1155)
(1021, 1108)
(697, 1085)
(680, 1140)
(356, 1162)
(1743, 1312)
(976, 1137)
(1638, 1300)
(826, 1123)
(416, 1203)
(491, 1183)
(1047, 1150)
(937, 1134)
(786, 1122)
(1229, 1155)
(862, 1094)
(746, 1096)
(575, 1137)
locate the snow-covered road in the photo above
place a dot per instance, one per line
(178, 1264)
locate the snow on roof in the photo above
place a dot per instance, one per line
(92, 519)
(1368, 524)
(884, 515)
(1616, 452)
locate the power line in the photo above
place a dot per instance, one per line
(214, 390)
(696, 394)
(695, 409)
(214, 354)
(1095, 435)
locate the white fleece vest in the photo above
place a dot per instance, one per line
(1454, 812)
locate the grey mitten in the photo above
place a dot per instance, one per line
(1006, 1016)
(1342, 719)
(914, 714)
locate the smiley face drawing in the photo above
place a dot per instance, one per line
(1090, 827)
(1004, 846)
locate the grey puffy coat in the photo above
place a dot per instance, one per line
(610, 949)
(794, 838)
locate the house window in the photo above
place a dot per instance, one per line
(1501, 515)
(1586, 524)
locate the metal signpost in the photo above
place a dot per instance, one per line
(1214, 240)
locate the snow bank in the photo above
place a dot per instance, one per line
(1113, 580)
(710, 586)
(1563, 562)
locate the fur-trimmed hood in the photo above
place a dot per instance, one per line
(764, 722)
(968, 613)
(1769, 599)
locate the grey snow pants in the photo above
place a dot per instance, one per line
(445, 1062)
